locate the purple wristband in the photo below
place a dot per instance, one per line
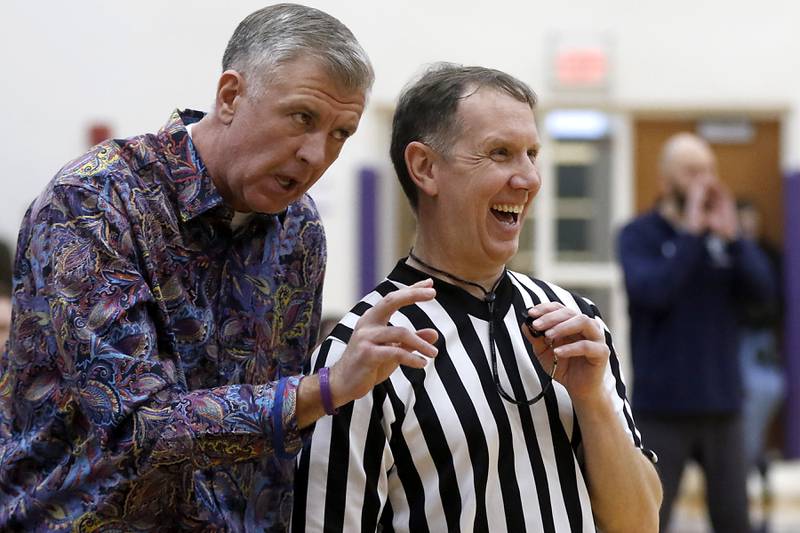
(325, 391)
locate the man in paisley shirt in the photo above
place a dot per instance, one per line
(166, 293)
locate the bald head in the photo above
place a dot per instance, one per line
(686, 158)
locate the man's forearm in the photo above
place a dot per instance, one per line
(309, 402)
(623, 484)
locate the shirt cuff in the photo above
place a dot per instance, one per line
(286, 438)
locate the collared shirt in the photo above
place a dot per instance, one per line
(438, 449)
(150, 379)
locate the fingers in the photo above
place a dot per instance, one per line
(718, 188)
(405, 347)
(592, 350)
(697, 195)
(391, 356)
(372, 326)
(541, 349)
(559, 322)
(420, 341)
(382, 311)
(575, 325)
(428, 335)
(698, 192)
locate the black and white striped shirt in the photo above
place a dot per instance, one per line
(438, 449)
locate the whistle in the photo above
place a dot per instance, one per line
(529, 322)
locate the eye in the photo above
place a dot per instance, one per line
(341, 135)
(499, 154)
(303, 118)
(533, 154)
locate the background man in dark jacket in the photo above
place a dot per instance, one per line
(687, 268)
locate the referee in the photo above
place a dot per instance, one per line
(521, 422)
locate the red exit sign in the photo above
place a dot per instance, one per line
(582, 68)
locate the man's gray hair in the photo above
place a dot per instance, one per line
(278, 34)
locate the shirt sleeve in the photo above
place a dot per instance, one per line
(131, 391)
(655, 271)
(614, 382)
(342, 482)
(756, 280)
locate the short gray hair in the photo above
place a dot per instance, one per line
(278, 34)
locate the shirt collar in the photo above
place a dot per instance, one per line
(449, 293)
(195, 189)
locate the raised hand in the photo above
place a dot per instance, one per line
(376, 349)
(722, 220)
(579, 343)
(694, 218)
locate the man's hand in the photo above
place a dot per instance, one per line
(375, 349)
(694, 218)
(579, 343)
(722, 220)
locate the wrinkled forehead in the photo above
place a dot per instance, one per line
(490, 112)
(306, 80)
(297, 70)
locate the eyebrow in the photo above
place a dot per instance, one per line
(307, 109)
(311, 109)
(497, 139)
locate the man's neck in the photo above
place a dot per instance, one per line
(204, 137)
(453, 270)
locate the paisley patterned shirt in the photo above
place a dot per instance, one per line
(150, 379)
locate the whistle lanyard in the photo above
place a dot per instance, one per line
(489, 298)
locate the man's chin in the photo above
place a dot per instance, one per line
(500, 256)
(270, 206)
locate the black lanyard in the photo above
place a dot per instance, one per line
(489, 297)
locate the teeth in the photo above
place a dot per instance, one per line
(284, 182)
(507, 208)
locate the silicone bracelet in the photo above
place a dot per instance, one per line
(325, 391)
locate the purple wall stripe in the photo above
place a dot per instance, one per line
(367, 230)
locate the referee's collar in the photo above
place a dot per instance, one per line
(448, 293)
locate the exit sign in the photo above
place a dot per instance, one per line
(582, 67)
(581, 63)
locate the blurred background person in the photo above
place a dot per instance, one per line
(686, 271)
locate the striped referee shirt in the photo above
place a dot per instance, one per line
(438, 449)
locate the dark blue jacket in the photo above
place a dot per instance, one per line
(684, 292)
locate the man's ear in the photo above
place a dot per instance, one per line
(230, 90)
(420, 162)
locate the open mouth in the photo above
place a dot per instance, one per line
(507, 213)
(286, 183)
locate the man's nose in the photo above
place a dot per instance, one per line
(313, 151)
(526, 175)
